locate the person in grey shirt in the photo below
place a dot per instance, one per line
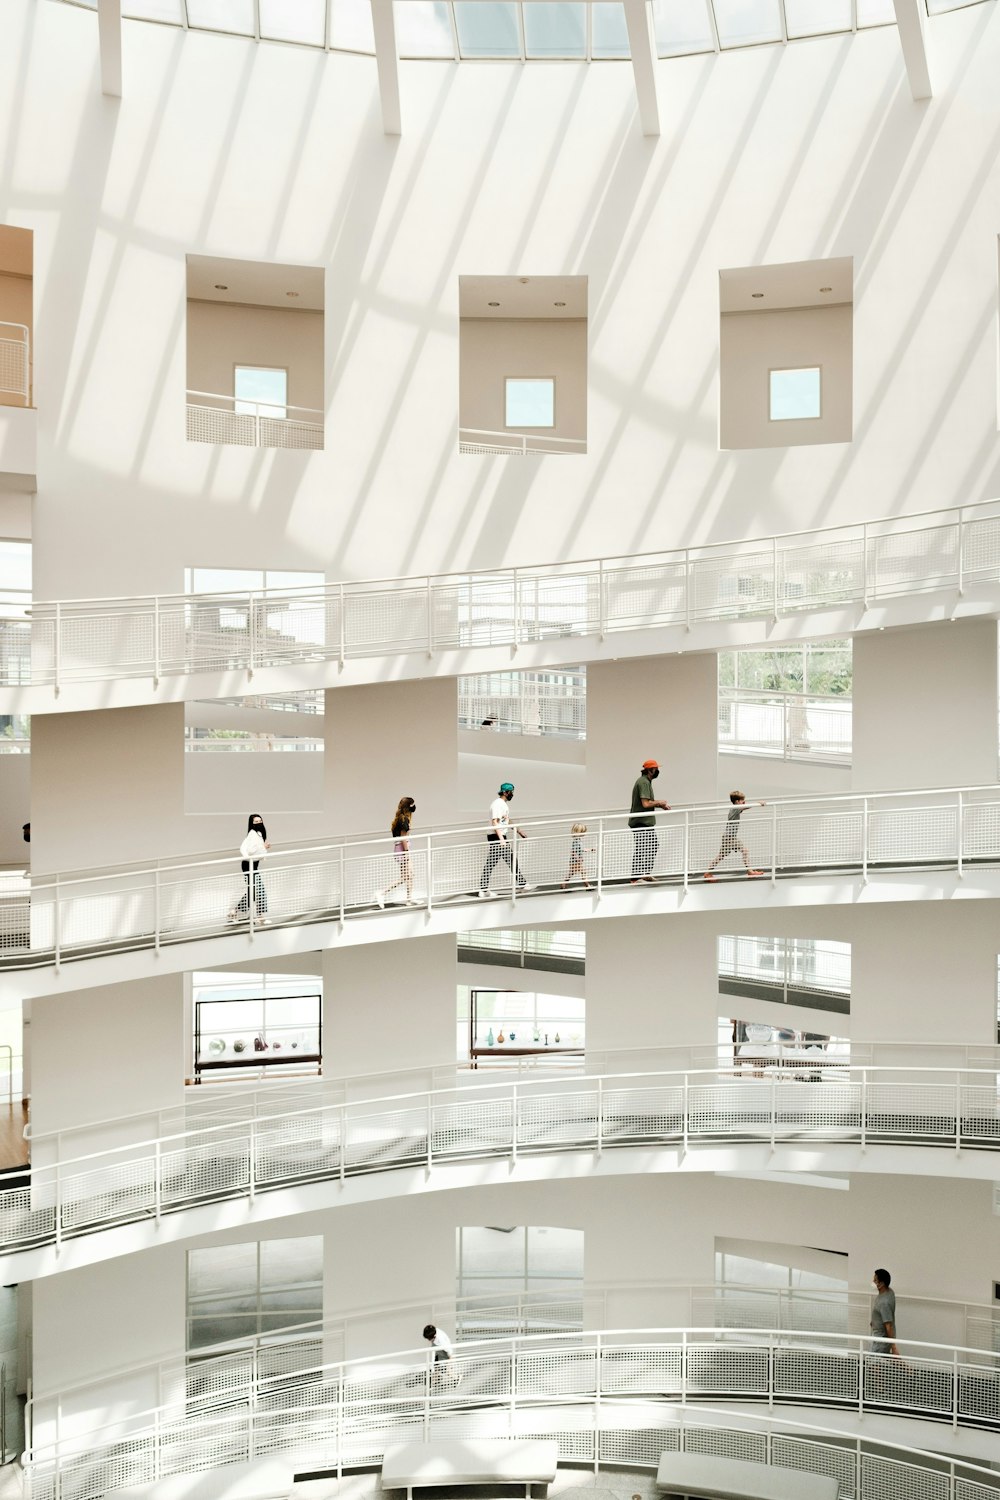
(884, 1315)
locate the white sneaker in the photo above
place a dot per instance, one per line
(524, 887)
(380, 900)
(486, 895)
(263, 921)
(232, 917)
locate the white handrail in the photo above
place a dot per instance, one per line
(954, 1109)
(485, 440)
(344, 1399)
(794, 726)
(215, 418)
(268, 408)
(73, 916)
(85, 640)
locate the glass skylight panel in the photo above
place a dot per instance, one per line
(554, 29)
(423, 29)
(795, 394)
(351, 26)
(876, 13)
(222, 15)
(487, 28)
(937, 7)
(301, 21)
(530, 403)
(817, 17)
(682, 26)
(154, 10)
(609, 34)
(744, 23)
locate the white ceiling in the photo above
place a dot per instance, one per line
(794, 285)
(259, 283)
(522, 296)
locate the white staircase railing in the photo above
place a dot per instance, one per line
(956, 1110)
(15, 361)
(607, 1387)
(114, 909)
(96, 640)
(524, 703)
(789, 726)
(214, 418)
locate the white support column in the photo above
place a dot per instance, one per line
(640, 40)
(662, 708)
(925, 706)
(388, 741)
(389, 1006)
(387, 62)
(109, 23)
(652, 982)
(912, 23)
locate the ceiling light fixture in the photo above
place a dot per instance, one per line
(492, 304)
(291, 294)
(558, 304)
(826, 288)
(756, 294)
(523, 280)
(220, 288)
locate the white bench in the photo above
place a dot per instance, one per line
(705, 1475)
(261, 1479)
(527, 1461)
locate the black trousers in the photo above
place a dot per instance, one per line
(494, 854)
(644, 853)
(259, 893)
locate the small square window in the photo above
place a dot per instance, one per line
(795, 394)
(257, 389)
(530, 403)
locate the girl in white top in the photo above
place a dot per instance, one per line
(253, 849)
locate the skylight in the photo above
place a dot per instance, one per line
(510, 29)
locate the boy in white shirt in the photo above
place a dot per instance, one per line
(442, 1346)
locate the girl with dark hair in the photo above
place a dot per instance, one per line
(253, 849)
(400, 831)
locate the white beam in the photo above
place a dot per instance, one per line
(640, 40)
(912, 23)
(387, 61)
(109, 25)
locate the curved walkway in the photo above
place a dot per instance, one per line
(166, 647)
(118, 910)
(955, 1110)
(613, 1382)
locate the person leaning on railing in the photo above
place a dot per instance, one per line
(883, 1321)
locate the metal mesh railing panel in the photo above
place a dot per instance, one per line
(887, 1479)
(214, 424)
(472, 1128)
(634, 595)
(634, 1372)
(719, 1369)
(633, 1114)
(726, 587)
(981, 550)
(396, 1138)
(925, 559)
(278, 432)
(553, 1120)
(820, 574)
(14, 367)
(900, 1110)
(814, 1375)
(814, 1458)
(296, 1149)
(110, 1194)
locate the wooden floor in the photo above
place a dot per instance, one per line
(13, 1146)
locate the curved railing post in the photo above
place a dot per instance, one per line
(252, 1161)
(601, 601)
(252, 633)
(429, 599)
(513, 1124)
(600, 1116)
(864, 840)
(342, 633)
(57, 650)
(960, 854)
(156, 640)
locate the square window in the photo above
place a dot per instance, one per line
(530, 403)
(257, 388)
(795, 394)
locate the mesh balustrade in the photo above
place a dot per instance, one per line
(957, 1109)
(606, 1397)
(98, 640)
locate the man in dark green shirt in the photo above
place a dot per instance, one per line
(643, 823)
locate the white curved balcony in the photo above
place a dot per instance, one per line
(324, 889)
(228, 1371)
(823, 1105)
(213, 418)
(606, 1395)
(833, 581)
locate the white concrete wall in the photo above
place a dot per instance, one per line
(219, 337)
(206, 156)
(657, 708)
(220, 781)
(389, 1006)
(15, 808)
(651, 982)
(390, 741)
(754, 343)
(114, 1051)
(491, 349)
(925, 706)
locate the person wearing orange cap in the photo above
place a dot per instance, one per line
(643, 823)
